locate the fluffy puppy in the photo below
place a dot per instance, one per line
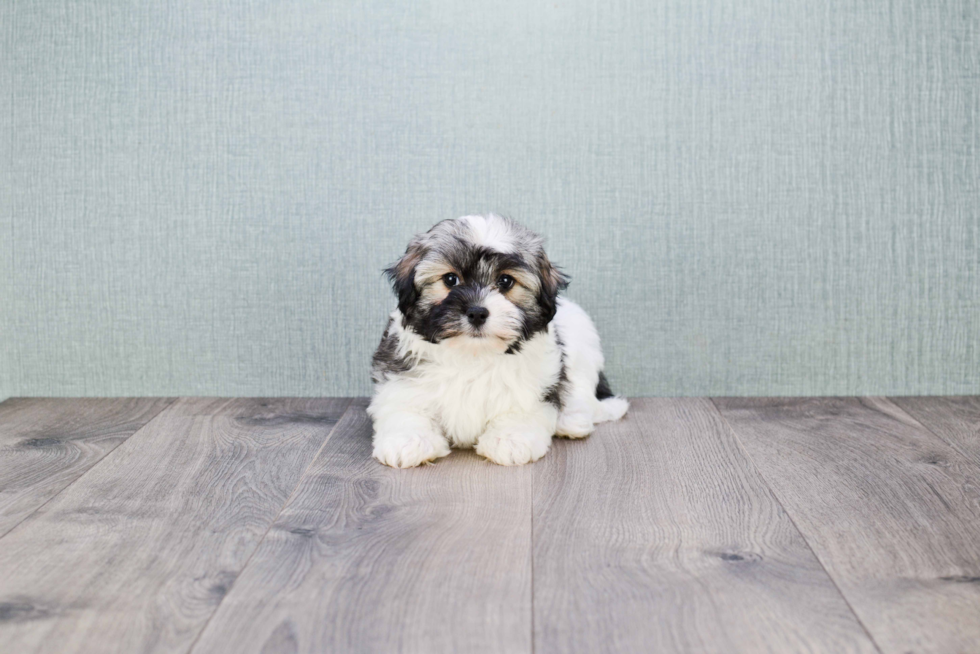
(482, 351)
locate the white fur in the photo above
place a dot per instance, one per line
(489, 231)
(583, 361)
(465, 392)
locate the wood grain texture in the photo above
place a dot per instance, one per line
(891, 510)
(371, 559)
(46, 444)
(136, 555)
(956, 420)
(657, 535)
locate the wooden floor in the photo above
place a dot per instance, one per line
(692, 525)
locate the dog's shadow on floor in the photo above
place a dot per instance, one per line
(560, 447)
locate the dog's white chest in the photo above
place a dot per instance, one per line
(466, 392)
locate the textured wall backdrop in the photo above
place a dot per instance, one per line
(753, 196)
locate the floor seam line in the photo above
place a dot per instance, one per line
(967, 456)
(772, 491)
(532, 561)
(92, 467)
(272, 523)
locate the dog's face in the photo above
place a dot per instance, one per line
(482, 280)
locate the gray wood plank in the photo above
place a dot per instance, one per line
(891, 510)
(954, 419)
(371, 559)
(657, 535)
(46, 444)
(136, 555)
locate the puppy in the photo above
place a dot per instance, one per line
(483, 352)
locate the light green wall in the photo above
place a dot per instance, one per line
(754, 197)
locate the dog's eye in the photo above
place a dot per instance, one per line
(450, 279)
(505, 283)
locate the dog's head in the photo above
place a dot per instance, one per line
(483, 280)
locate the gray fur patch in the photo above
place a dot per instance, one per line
(386, 362)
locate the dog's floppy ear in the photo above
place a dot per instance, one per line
(553, 281)
(402, 276)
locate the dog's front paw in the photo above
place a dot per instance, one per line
(512, 448)
(576, 424)
(407, 450)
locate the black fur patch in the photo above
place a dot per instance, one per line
(442, 320)
(556, 391)
(404, 288)
(553, 282)
(602, 390)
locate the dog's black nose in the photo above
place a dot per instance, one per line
(477, 315)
